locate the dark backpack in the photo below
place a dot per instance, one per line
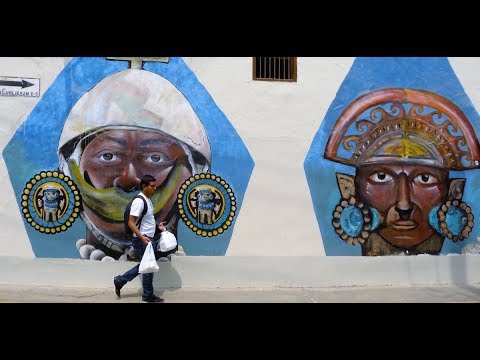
(126, 214)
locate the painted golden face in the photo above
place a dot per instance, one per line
(403, 143)
(403, 195)
(119, 158)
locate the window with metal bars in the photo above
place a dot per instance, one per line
(280, 68)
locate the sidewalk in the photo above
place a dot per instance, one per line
(377, 294)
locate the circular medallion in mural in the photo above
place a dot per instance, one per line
(50, 202)
(207, 204)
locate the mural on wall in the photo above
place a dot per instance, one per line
(399, 144)
(101, 126)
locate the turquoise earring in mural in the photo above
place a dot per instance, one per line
(354, 221)
(454, 219)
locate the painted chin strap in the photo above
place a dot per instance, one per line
(110, 203)
(354, 221)
(454, 219)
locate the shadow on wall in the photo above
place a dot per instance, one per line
(167, 277)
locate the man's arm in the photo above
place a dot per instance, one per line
(162, 226)
(132, 223)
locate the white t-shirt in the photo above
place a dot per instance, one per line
(148, 225)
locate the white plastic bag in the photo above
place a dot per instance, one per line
(148, 263)
(167, 241)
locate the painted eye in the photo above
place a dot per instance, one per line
(108, 157)
(426, 179)
(156, 158)
(380, 177)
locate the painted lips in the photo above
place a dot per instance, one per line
(404, 225)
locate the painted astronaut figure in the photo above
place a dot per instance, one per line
(131, 123)
(51, 203)
(206, 205)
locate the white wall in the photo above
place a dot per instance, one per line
(13, 112)
(277, 122)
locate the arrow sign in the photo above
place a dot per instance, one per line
(22, 83)
(19, 86)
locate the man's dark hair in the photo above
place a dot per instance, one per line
(146, 179)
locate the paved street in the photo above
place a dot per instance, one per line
(379, 294)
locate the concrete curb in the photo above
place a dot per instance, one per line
(251, 272)
(368, 294)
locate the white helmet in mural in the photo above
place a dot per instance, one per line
(132, 99)
(135, 99)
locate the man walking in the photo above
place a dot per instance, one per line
(143, 233)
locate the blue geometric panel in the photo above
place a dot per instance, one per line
(33, 148)
(366, 75)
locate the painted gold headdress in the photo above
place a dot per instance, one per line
(397, 124)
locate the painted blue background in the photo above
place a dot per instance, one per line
(33, 147)
(365, 75)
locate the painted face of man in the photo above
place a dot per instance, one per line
(119, 158)
(403, 195)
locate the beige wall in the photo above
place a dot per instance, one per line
(13, 112)
(277, 122)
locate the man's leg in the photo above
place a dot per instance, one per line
(129, 275)
(147, 284)
(120, 280)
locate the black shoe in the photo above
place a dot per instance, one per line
(153, 299)
(118, 286)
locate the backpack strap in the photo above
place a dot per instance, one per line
(144, 211)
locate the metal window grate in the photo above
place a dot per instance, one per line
(280, 68)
